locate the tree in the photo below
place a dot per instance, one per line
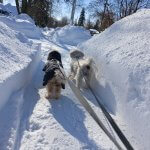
(39, 11)
(64, 21)
(102, 10)
(1, 1)
(74, 4)
(128, 7)
(82, 18)
(73, 11)
(97, 25)
(17, 6)
(24, 6)
(108, 19)
(89, 24)
(76, 22)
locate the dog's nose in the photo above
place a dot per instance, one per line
(88, 67)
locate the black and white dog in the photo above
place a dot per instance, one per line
(54, 78)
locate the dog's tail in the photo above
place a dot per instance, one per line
(76, 54)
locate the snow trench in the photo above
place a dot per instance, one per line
(19, 79)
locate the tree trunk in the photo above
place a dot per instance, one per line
(24, 6)
(73, 11)
(17, 6)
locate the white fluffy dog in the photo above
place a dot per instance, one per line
(82, 69)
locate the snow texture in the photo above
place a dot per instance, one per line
(12, 9)
(71, 35)
(22, 23)
(122, 54)
(16, 59)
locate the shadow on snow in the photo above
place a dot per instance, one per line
(72, 117)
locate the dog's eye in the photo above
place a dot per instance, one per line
(88, 67)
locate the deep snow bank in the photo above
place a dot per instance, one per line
(9, 8)
(22, 23)
(122, 53)
(18, 61)
(71, 35)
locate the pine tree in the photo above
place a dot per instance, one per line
(82, 18)
(1, 1)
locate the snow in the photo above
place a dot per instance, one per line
(2, 7)
(11, 9)
(16, 53)
(122, 53)
(29, 121)
(71, 35)
(22, 23)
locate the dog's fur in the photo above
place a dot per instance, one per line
(54, 79)
(82, 69)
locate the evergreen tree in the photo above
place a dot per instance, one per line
(82, 18)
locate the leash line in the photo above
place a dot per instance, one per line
(89, 109)
(86, 105)
(109, 118)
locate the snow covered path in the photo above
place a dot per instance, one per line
(30, 122)
(62, 124)
(34, 123)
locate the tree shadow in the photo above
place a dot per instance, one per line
(71, 117)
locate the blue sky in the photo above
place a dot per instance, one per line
(65, 11)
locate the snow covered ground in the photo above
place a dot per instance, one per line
(18, 58)
(122, 53)
(30, 122)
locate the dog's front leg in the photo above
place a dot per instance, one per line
(49, 91)
(57, 92)
(72, 73)
(79, 78)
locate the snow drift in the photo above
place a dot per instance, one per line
(71, 35)
(22, 23)
(122, 54)
(17, 56)
(9, 8)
